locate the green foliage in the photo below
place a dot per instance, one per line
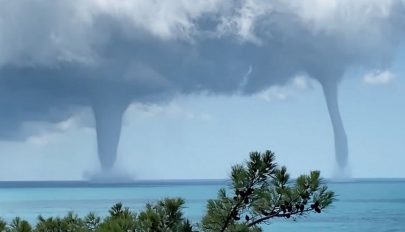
(259, 191)
(71, 222)
(262, 191)
(19, 225)
(91, 221)
(120, 219)
(3, 225)
(166, 215)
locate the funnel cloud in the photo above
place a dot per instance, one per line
(341, 148)
(108, 117)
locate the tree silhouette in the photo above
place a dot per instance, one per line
(262, 191)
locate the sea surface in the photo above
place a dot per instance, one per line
(363, 205)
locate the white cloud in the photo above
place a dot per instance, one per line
(165, 19)
(378, 77)
(297, 84)
(242, 24)
(45, 133)
(39, 140)
(171, 110)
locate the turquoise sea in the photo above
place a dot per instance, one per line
(363, 205)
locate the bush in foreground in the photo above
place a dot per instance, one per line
(259, 192)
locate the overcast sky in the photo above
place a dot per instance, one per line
(203, 84)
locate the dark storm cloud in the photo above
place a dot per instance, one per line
(58, 55)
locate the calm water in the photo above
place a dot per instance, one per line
(362, 206)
